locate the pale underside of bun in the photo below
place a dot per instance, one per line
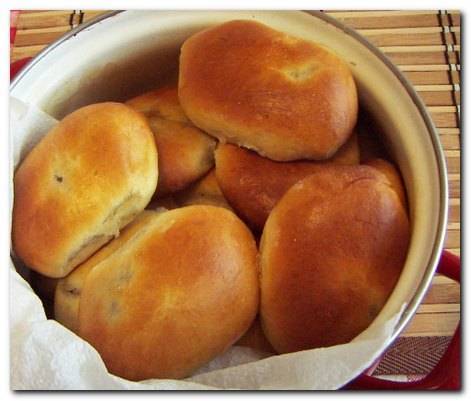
(107, 229)
(69, 288)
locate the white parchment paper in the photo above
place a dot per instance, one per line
(44, 355)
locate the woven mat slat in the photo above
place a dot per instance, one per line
(44, 19)
(405, 21)
(432, 324)
(386, 37)
(19, 52)
(454, 188)
(454, 208)
(453, 162)
(442, 293)
(425, 45)
(429, 57)
(88, 15)
(452, 239)
(431, 77)
(429, 67)
(439, 98)
(451, 142)
(396, 19)
(407, 39)
(385, 13)
(39, 36)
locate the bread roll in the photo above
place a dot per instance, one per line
(348, 153)
(205, 191)
(253, 184)
(332, 251)
(175, 296)
(162, 103)
(284, 97)
(185, 152)
(85, 180)
(69, 288)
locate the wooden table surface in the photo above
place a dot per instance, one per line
(425, 45)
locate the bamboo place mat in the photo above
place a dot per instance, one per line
(425, 45)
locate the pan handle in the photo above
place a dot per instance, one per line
(447, 373)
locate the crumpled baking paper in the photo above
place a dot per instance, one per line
(44, 355)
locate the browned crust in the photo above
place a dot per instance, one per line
(185, 152)
(253, 184)
(162, 102)
(93, 161)
(391, 175)
(251, 85)
(178, 295)
(332, 251)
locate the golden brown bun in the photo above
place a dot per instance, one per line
(348, 153)
(332, 251)
(205, 191)
(255, 338)
(178, 294)
(185, 152)
(162, 102)
(253, 184)
(392, 177)
(69, 288)
(87, 178)
(286, 98)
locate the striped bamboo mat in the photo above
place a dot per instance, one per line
(425, 45)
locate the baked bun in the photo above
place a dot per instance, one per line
(284, 97)
(162, 103)
(253, 184)
(185, 152)
(348, 153)
(391, 175)
(205, 191)
(85, 180)
(69, 288)
(175, 296)
(332, 251)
